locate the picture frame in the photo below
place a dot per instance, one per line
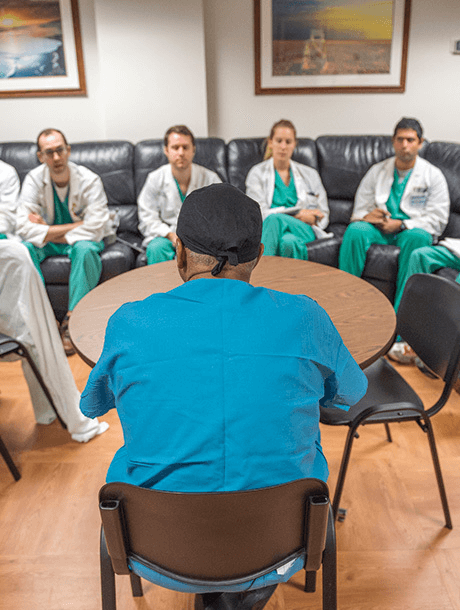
(40, 49)
(330, 46)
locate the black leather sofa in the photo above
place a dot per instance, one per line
(341, 161)
(113, 162)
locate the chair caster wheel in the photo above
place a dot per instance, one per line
(341, 514)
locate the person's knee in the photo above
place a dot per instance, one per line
(417, 238)
(359, 232)
(84, 249)
(272, 222)
(419, 255)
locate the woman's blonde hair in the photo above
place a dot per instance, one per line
(282, 123)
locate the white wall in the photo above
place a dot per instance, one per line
(145, 70)
(152, 66)
(432, 87)
(152, 63)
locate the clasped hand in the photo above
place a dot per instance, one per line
(383, 221)
(310, 217)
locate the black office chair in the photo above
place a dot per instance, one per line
(428, 319)
(8, 345)
(213, 539)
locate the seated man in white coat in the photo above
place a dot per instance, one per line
(63, 210)
(9, 192)
(164, 191)
(26, 315)
(403, 201)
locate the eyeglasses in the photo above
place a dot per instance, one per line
(50, 152)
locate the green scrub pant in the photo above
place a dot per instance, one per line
(85, 265)
(359, 237)
(160, 249)
(284, 235)
(427, 260)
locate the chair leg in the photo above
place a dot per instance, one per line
(343, 470)
(136, 585)
(9, 461)
(23, 352)
(330, 566)
(108, 591)
(437, 468)
(387, 429)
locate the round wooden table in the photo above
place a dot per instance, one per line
(361, 313)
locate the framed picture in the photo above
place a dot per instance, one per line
(330, 46)
(40, 49)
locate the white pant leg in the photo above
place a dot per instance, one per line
(26, 315)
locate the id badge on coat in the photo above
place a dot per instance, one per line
(312, 200)
(418, 197)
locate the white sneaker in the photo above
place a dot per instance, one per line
(402, 352)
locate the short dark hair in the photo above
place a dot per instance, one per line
(408, 123)
(48, 132)
(182, 129)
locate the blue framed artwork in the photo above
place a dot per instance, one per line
(40, 49)
(330, 46)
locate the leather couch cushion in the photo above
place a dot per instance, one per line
(343, 161)
(116, 258)
(339, 215)
(21, 155)
(113, 162)
(448, 273)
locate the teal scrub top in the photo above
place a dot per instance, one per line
(396, 193)
(284, 196)
(218, 386)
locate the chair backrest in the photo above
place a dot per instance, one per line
(429, 320)
(215, 536)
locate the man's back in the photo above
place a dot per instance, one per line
(218, 385)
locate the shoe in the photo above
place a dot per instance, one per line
(424, 369)
(65, 337)
(402, 352)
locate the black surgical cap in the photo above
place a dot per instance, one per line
(221, 221)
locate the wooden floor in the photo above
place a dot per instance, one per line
(394, 553)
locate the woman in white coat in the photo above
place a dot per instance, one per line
(291, 196)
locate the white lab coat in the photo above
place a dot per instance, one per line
(260, 186)
(159, 202)
(87, 202)
(26, 315)
(452, 244)
(425, 199)
(9, 192)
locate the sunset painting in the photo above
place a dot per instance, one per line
(31, 42)
(331, 37)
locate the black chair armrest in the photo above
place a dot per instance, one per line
(325, 251)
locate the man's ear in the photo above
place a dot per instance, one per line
(181, 255)
(261, 251)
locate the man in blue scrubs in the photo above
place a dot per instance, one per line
(218, 383)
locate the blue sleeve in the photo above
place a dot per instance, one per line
(97, 397)
(346, 384)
